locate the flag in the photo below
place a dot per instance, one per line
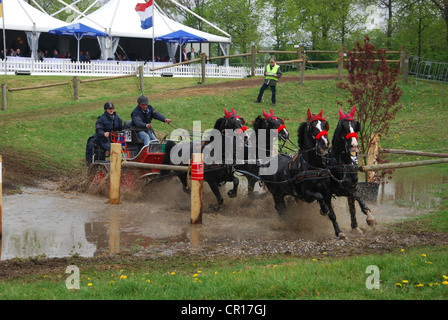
(1, 8)
(145, 11)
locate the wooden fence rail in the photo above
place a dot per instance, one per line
(415, 153)
(397, 165)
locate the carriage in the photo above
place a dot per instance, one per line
(133, 150)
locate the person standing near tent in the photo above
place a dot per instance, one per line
(142, 117)
(184, 55)
(191, 55)
(272, 73)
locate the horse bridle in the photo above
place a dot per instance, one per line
(318, 136)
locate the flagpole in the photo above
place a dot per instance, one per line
(4, 36)
(153, 27)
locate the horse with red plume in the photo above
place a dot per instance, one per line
(219, 171)
(263, 144)
(343, 164)
(304, 175)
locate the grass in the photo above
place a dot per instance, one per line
(415, 274)
(47, 126)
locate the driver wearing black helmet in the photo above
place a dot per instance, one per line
(107, 122)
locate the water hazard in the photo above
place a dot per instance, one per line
(46, 221)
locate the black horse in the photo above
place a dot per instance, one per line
(259, 146)
(304, 175)
(219, 154)
(344, 166)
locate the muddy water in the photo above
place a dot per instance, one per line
(46, 221)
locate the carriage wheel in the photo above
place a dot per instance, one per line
(130, 181)
(99, 180)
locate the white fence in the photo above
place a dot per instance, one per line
(56, 66)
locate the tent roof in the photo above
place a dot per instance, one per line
(78, 30)
(180, 36)
(119, 18)
(19, 15)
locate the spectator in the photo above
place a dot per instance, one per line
(191, 55)
(184, 55)
(86, 57)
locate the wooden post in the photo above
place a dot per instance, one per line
(299, 56)
(253, 57)
(197, 179)
(302, 69)
(142, 80)
(402, 55)
(75, 88)
(406, 68)
(203, 60)
(1, 181)
(115, 173)
(340, 63)
(372, 155)
(4, 99)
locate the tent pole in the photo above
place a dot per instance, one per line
(4, 41)
(153, 27)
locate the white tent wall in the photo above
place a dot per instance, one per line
(20, 16)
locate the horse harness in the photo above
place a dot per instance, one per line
(306, 171)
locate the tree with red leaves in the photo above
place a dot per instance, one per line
(374, 91)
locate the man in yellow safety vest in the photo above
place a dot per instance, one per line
(272, 73)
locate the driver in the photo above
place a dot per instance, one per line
(107, 122)
(142, 117)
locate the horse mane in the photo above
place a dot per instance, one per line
(219, 124)
(258, 123)
(301, 135)
(337, 138)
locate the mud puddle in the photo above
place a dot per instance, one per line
(47, 221)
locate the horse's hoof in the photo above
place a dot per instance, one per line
(323, 213)
(370, 219)
(231, 194)
(214, 207)
(357, 230)
(342, 236)
(282, 216)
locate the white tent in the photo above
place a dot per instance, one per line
(19, 15)
(118, 18)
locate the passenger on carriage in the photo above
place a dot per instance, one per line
(142, 117)
(107, 122)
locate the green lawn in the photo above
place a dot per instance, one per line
(49, 130)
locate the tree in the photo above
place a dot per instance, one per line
(237, 18)
(374, 90)
(442, 6)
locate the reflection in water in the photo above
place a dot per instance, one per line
(411, 186)
(54, 224)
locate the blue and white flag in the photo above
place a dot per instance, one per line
(145, 11)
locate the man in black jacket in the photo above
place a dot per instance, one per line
(142, 117)
(107, 122)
